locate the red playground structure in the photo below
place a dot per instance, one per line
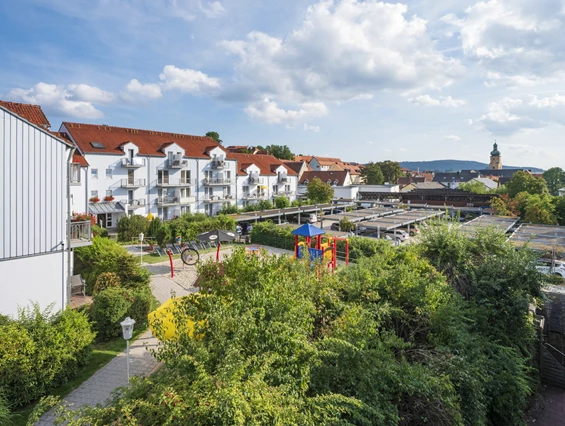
(325, 247)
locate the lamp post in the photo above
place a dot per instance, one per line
(127, 330)
(141, 248)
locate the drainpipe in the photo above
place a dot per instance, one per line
(69, 163)
(197, 184)
(148, 188)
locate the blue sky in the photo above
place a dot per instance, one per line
(360, 80)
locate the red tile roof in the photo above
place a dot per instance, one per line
(324, 176)
(306, 158)
(32, 113)
(266, 163)
(149, 142)
(296, 165)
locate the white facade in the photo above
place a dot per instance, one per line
(255, 186)
(33, 215)
(380, 188)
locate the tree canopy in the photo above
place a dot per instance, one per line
(215, 136)
(282, 152)
(391, 170)
(473, 186)
(433, 333)
(319, 192)
(372, 174)
(523, 181)
(555, 179)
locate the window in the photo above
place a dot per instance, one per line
(275, 189)
(94, 173)
(97, 145)
(94, 193)
(109, 173)
(109, 193)
(75, 173)
(109, 220)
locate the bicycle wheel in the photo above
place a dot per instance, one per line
(190, 256)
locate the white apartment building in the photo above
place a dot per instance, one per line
(133, 171)
(36, 234)
(263, 177)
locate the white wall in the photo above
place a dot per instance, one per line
(347, 192)
(380, 188)
(38, 279)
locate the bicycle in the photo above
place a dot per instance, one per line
(189, 255)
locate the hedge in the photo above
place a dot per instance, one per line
(40, 351)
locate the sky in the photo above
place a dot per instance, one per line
(360, 80)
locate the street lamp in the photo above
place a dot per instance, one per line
(141, 247)
(127, 331)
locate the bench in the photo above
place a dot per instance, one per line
(78, 282)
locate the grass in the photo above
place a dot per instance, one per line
(102, 354)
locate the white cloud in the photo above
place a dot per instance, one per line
(135, 89)
(342, 50)
(403, 150)
(212, 10)
(268, 111)
(520, 42)
(187, 80)
(511, 115)
(444, 101)
(451, 137)
(307, 127)
(60, 99)
(86, 93)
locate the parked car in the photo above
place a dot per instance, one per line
(238, 229)
(335, 226)
(398, 235)
(545, 267)
(312, 218)
(414, 230)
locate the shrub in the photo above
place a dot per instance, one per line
(282, 202)
(346, 225)
(188, 225)
(40, 351)
(264, 205)
(105, 255)
(229, 209)
(98, 231)
(106, 280)
(111, 306)
(6, 418)
(129, 227)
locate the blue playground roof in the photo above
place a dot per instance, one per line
(308, 230)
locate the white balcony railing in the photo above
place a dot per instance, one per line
(168, 201)
(254, 196)
(254, 180)
(132, 183)
(81, 233)
(134, 204)
(217, 181)
(133, 163)
(218, 198)
(173, 182)
(187, 200)
(177, 162)
(218, 164)
(283, 179)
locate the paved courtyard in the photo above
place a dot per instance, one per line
(552, 412)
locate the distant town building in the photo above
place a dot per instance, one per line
(495, 159)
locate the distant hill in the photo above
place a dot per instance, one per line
(455, 165)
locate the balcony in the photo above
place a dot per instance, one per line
(133, 204)
(220, 181)
(283, 179)
(255, 180)
(81, 234)
(133, 163)
(253, 196)
(218, 198)
(218, 164)
(283, 193)
(187, 200)
(132, 183)
(168, 201)
(173, 182)
(177, 162)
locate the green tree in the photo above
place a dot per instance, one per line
(555, 179)
(536, 208)
(282, 202)
(319, 192)
(215, 136)
(346, 225)
(282, 152)
(372, 174)
(473, 186)
(559, 210)
(391, 170)
(523, 181)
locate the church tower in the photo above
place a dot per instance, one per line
(495, 161)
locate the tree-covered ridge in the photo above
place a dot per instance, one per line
(432, 333)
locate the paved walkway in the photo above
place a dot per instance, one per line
(553, 411)
(98, 388)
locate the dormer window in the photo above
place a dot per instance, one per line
(329, 181)
(306, 182)
(335, 182)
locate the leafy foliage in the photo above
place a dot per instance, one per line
(391, 170)
(282, 202)
(319, 192)
(372, 174)
(430, 333)
(106, 280)
(6, 418)
(40, 351)
(523, 181)
(555, 179)
(282, 152)
(473, 186)
(129, 227)
(189, 225)
(215, 136)
(346, 225)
